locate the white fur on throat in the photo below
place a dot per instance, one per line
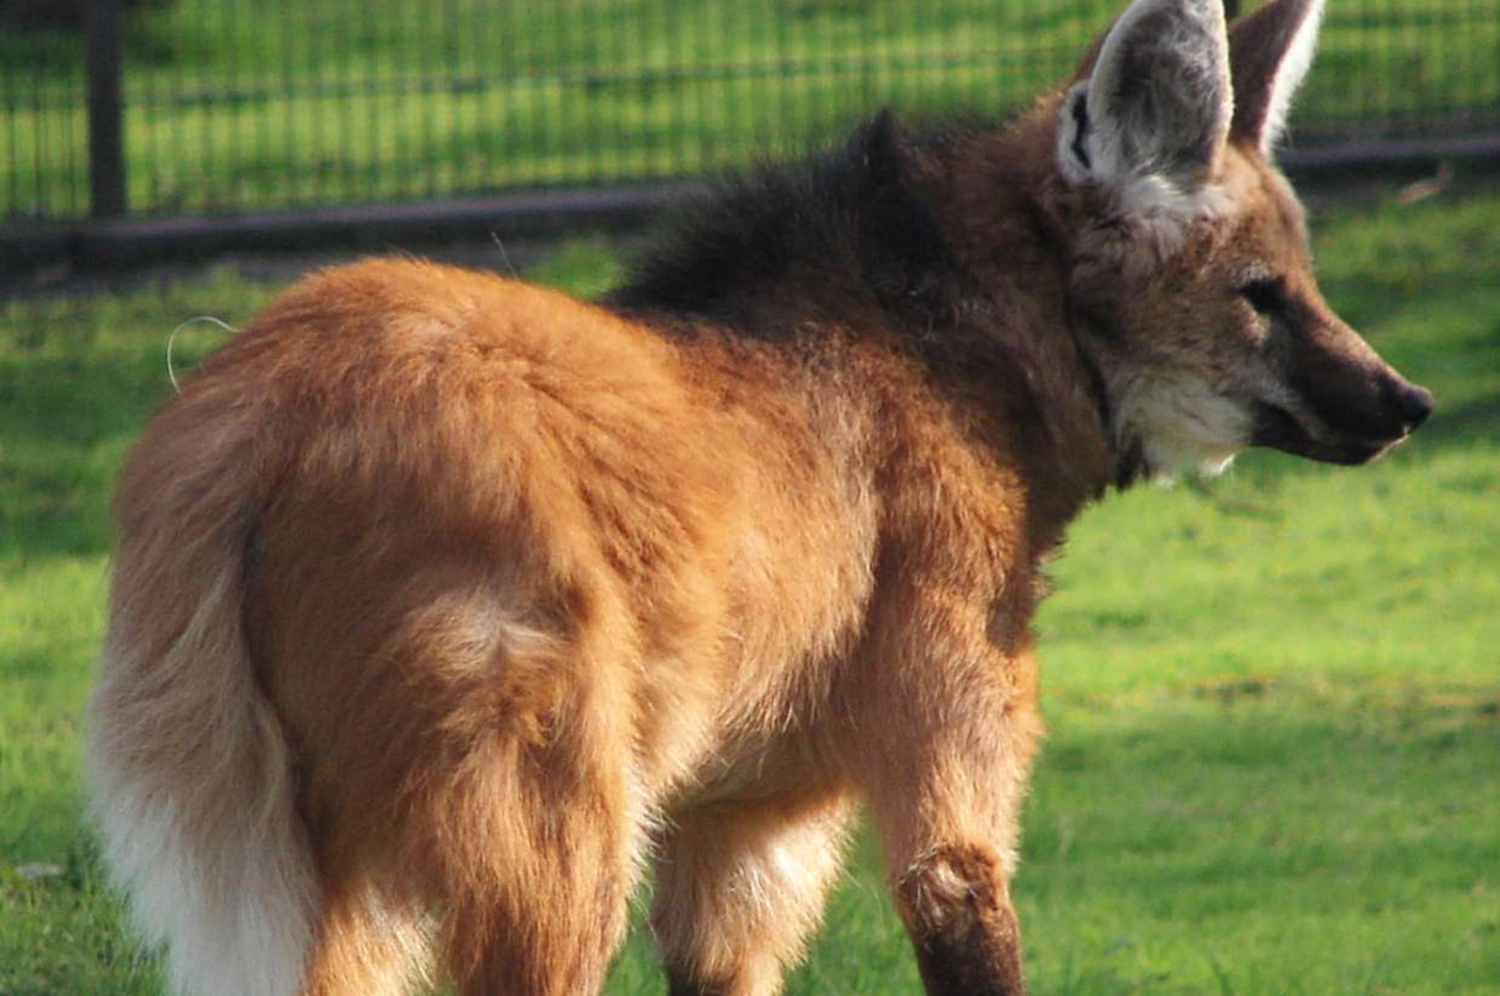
(1182, 424)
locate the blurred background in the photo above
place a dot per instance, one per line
(1274, 699)
(143, 109)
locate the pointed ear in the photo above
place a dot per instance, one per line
(1270, 52)
(1156, 102)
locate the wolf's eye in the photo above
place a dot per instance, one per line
(1265, 294)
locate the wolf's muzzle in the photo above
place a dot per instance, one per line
(1414, 402)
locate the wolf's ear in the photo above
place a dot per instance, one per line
(1269, 54)
(1156, 101)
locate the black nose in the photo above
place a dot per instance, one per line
(1415, 404)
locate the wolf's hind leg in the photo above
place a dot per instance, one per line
(366, 946)
(741, 889)
(542, 914)
(483, 771)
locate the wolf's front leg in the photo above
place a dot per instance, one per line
(947, 754)
(955, 900)
(740, 889)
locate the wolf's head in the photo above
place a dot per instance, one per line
(1193, 283)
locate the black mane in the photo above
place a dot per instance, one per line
(855, 221)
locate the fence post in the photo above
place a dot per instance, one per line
(104, 24)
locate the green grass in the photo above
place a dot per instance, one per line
(1274, 699)
(257, 104)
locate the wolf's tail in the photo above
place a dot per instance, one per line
(189, 767)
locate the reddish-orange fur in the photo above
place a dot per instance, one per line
(481, 598)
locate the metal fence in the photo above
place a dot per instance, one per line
(233, 106)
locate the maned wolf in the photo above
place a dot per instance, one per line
(444, 606)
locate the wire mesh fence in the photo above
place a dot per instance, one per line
(252, 105)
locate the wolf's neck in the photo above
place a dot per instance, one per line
(995, 200)
(938, 247)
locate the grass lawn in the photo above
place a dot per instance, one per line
(1274, 699)
(256, 104)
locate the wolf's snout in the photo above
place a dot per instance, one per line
(1414, 402)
